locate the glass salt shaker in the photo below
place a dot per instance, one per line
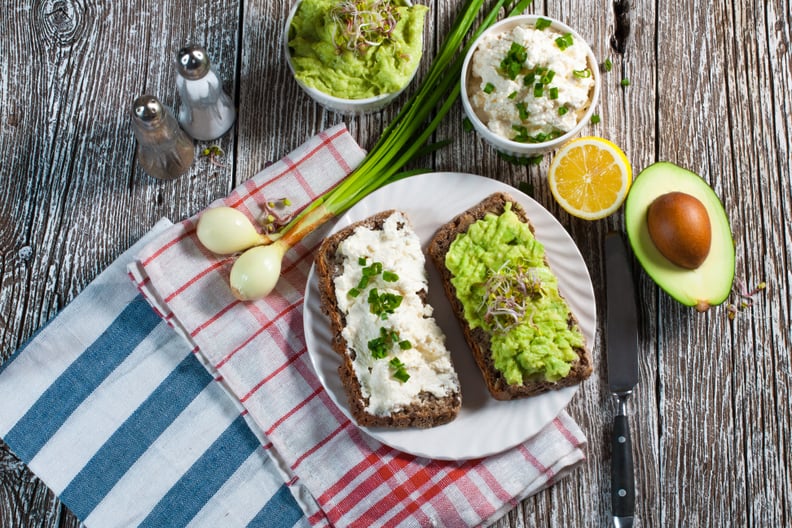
(206, 112)
(163, 149)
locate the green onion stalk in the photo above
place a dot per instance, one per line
(256, 271)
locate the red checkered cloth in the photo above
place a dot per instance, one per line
(339, 475)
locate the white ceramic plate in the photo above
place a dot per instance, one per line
(484, 425)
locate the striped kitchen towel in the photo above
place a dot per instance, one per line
(113, 410)
(259, 351)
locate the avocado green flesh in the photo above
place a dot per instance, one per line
(321, 64)
(709, 284)
(541, 345)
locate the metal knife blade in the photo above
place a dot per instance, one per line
(622, 360)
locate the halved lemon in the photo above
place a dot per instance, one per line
(589, 177)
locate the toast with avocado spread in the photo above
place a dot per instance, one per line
(521, 331)
(395, 367)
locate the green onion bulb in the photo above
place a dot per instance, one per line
(224, 230)
(255, 273)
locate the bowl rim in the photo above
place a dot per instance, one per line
(336, 103)
(516, 147)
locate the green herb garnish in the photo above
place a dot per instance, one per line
(521, 161)
(512, 63)
(553, 92)
(389, 276)
(595, 118)
(383, 304)
(625, 82)
(562, 110)
(509, 293)
(523, 111)
(400, 372)
(542, 23)
(564, 41)
(380, 346)
(362, 24)
(467, 125)
(607, 65)
(582, 74)
(489, 88)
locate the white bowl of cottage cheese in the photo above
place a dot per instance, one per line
(529, 84)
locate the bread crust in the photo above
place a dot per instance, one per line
(477, 339)
(430, 410)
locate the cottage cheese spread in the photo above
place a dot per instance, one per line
(542, 98)
(427, 360)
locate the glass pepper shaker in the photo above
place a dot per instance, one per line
(206, 112)
(164, 150)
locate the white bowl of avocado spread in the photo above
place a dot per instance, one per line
(354, 56)
(529, 84)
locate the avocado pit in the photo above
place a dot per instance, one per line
(680, 228)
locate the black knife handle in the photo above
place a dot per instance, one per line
(622, 477)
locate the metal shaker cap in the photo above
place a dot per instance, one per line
(147, 109)
(192, 62)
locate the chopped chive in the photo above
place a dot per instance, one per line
(554, 92)
(362, 261)
(595, 119)
(538, 90)
(512, 63)
(625, 82)
(389, 276)
(354, 292)
(563, 110)
(582, 74)
(564, 41)
(529, 78)
(607, 65)
(547, 77)
(467, 125)
(405, 345)
(523, 111)
(489, 88)
(521, 133)
(512, 95)
(542, 23)
(527, 187)
(520, 160)
(401, 375)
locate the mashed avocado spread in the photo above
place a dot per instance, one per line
(506, 288)
(355, 49)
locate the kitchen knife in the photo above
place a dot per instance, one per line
(622, 359)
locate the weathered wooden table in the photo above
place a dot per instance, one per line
(710, 89)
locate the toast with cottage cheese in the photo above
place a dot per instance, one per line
(395, 368)
(478, 338)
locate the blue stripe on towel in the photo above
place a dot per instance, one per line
(196, 487)
(280, 510)
(134, 436)
(59, 401)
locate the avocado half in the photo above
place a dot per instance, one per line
(710, 283)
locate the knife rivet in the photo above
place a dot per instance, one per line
(622, 493)
(621, 439)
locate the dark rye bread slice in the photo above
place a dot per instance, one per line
(478, 339)
(428, 410)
